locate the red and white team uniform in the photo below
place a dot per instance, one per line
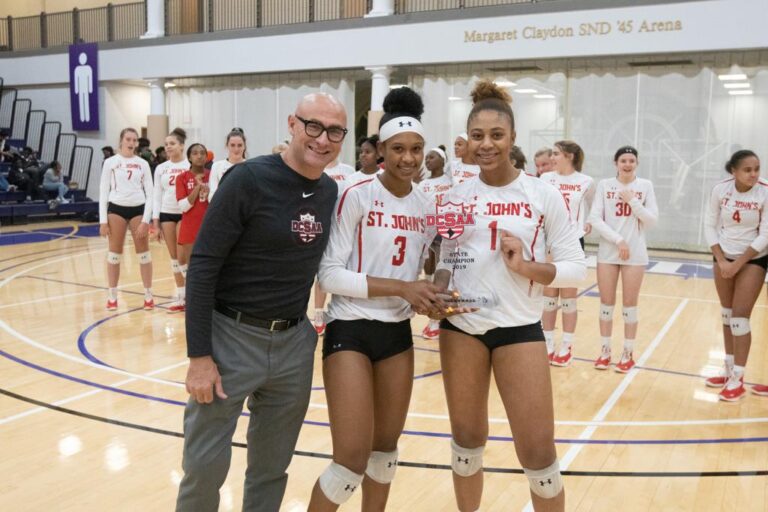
(461, 172)
(340, 172)
(166, 175)
(358, 176)
(737, 220)
(375, 233)
(471, 222)
(436, 188)
(616, 221)
(578, 191)
(192, 214)
(218, 170)
(125, 182)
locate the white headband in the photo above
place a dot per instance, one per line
(400, 125)
(463, 136)
(439, 152)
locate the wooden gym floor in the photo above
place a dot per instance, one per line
(91, 401)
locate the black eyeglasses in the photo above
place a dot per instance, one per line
(315, 129)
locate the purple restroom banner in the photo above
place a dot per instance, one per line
(84, 86)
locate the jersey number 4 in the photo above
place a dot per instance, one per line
(399, 258)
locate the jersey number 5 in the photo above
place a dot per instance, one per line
(399, 258)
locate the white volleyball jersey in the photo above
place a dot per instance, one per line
(616, 221)
(125, 182)
(461, 172)
(378, 234)
(358, 176)
(340, 172)
(471, 223)
(577, 190)
(218, 170)
(165, 187)
(436, 188)
(737, 220)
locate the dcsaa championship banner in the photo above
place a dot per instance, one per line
(84, 86)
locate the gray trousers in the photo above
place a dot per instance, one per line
(273, 370)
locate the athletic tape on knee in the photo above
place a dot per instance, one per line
(175, 267)
(726, 314)
(338, 483)
(630, 315)
(114, 258)
(568, 305)
(466, 461)
(606, 312)
(546, 482)
(382, 466)
(550, 303)
(145, 257)
(740, 326)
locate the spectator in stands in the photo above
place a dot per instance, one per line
(53, 181)
(4, 149)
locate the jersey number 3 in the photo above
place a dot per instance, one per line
(399, 258)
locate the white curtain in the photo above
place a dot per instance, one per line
(685, 127)
(208, 114)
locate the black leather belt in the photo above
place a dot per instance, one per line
(276, 324)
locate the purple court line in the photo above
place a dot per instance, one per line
(83, 348)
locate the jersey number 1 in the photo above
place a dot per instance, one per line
(399, 258)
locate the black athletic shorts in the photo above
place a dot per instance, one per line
(502, 336)
(377, 340)
(126, 212)
(170, 217)
(760, 262)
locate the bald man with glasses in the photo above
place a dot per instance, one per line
(248, 285)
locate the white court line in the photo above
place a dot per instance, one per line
(9, 419)
(75, 294)
(29, 341)
(574, 450)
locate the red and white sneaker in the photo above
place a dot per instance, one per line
(149, 305)
(760, 389)
(430, 334)
(604, 361)
(111, 305)
(178, 307)
(733, 394)
(716, 382)
(561, 359)
(626, 363)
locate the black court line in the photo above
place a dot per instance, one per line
(423, 465)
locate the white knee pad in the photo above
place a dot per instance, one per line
(382, 466)
(630, 315)
(550, 303)
(606, 312)
(338, 483)
(740, 326)
(145, 257)
(546, 482)
(114, 258)
(466, 461)
(175, 267)
(726, 314)
(568, 306)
